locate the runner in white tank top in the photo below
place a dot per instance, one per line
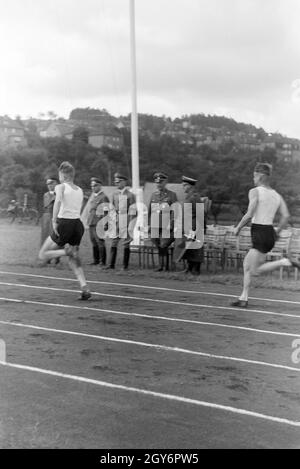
(71, 202)
(67, 226)
(264, 203)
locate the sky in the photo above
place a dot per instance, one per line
(238, 58)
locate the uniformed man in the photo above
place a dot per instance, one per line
(161, 219)
(124, 202)
(194, 217)
(48, 203)
(98, 207)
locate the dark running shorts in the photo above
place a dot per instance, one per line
(263, 237)
(69, 230)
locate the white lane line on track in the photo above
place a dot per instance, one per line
(154, 300)
(165, 318)
(155, 346)
(99, 282)
(170, 397)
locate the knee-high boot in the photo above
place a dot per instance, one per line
(126, 256)
(103, 255)
(96, 255)
(196, 268)
(113, 256)
(166, 257)
(160, 260)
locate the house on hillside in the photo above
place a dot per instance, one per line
(99, 135)
(40, 125)
(11, 132)
(289, 151)
(58, 129)
(250, 143)
(105, 137)
(269, 142)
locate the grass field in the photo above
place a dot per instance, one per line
(152, 361)
(19, 245)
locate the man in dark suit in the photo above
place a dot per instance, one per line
(98, 207)
(124, 203)
(161, 219)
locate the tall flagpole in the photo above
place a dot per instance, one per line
(134, 114)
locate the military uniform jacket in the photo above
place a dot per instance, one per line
(97, 205)
(192, 220)
(193, 198)
(160, 203)
(122, 201)
(48, 202)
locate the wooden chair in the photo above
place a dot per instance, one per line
(230, 248)
(294, 248)
(138, 250)
(147, 253)
(280, 249)
(244, 243)
(214, 247)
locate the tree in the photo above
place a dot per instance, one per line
(85, 114)
(13, 177)
(114, 161)
(32, 135)
(51, 115)
(80, 134)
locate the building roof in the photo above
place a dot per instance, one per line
(106, 131)
(64, 128)
(7, 122)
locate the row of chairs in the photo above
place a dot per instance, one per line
(222, 249)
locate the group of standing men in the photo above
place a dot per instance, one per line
(163, 230)
(98, 209)
(67, 228)
(124, 205)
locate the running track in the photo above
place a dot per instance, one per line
(145, 364)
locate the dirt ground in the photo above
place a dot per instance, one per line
(151, 361)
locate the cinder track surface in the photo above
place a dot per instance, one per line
(147, 363)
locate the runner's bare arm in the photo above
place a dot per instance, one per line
(284, 216)
(59, 191)
(253, 200)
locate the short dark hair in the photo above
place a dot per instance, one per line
(67, 169)
(263, 168)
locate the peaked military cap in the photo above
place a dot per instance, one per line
(96, 180)
(119, 177)
(51, 180)
(158, 177)
(188, 180)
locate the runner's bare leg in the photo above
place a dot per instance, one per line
(253, 260)
(50, 250)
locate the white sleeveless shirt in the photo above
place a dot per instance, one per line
(268, 204)
(71, 202)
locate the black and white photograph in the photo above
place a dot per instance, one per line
(149, 227)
